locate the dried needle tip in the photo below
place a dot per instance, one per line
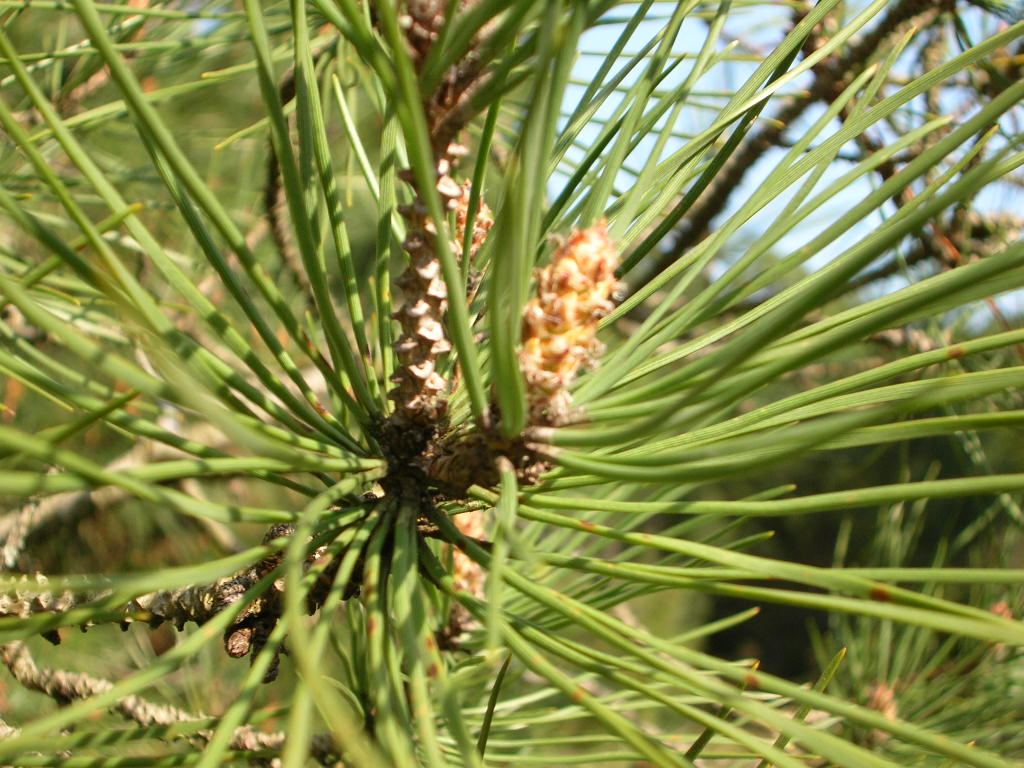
(504, 466)
(538, 434)
(560, 325)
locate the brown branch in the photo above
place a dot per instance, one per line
(248, 632)
(924, 250)
(36, 515)
(197, 603)
(65, 687)
(980, 235)
(831, 76)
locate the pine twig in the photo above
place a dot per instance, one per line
(65, 687)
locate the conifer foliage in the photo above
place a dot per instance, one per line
(408, 382)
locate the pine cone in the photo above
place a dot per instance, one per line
(560, 325)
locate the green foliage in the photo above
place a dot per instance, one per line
(206, 210)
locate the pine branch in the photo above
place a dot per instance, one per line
(249, 631)
(65, 687)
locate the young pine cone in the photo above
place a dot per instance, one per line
(560, 325)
